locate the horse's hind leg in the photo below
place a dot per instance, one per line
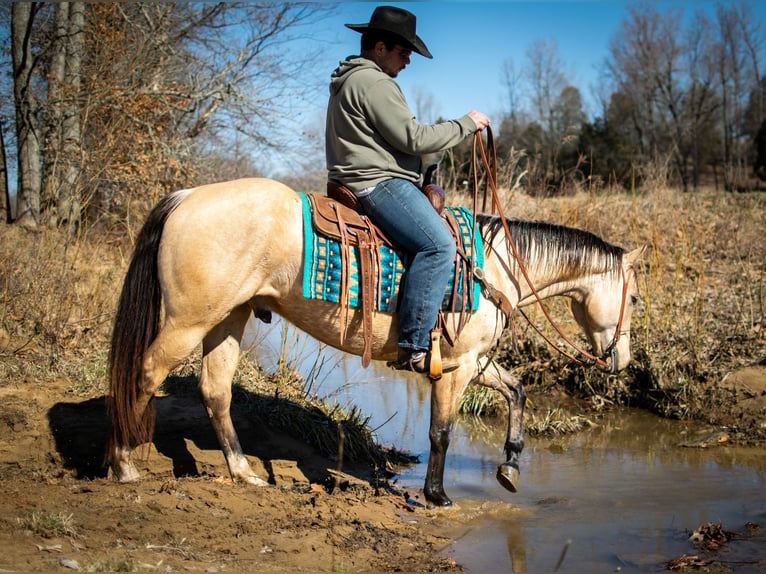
(496, 377)
(220, 355)
(170, 347)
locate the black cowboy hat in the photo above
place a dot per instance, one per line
(398, 22)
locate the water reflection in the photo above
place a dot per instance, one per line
(397, 403)
(624, 493)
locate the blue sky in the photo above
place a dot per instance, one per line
(470, 41)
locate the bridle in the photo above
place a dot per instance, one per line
(490, 184)
(589, 359)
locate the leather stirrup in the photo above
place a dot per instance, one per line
(435, 364)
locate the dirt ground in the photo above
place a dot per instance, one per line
(59, 510)
(741, 402)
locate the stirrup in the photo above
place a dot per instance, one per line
(421, 365)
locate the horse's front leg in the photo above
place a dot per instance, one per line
(496, 377)
(220, 355)
(445, 396)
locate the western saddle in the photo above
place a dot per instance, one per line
(338, 215)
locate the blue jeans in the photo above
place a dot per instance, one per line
(406, 216)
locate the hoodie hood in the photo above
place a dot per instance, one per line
(346, 68)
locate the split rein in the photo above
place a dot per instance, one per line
(489, 162)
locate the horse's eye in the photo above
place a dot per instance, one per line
(633, 299)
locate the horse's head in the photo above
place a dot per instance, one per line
(606, 311)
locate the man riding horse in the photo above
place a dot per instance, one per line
(206, 261)
(374, 145)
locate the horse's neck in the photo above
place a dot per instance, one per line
(539, 278)
(547, 282)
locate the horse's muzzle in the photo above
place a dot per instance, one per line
(614, 360)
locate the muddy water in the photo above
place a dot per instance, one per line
(622, 496)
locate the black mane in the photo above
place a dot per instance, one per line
(560, 246)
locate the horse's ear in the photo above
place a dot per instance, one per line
(636, 254)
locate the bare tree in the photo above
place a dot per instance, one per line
(197, 77)
(27, 124)
(547, 80)
(671, 105)
(5, 197)
(737, 62)
(6, 103)
(511, 80)
(646, 63)
(53, 136)
(702, 103)
(132, 93)
(69, 194)
(424, 105)
(754, 39)
(61, 155)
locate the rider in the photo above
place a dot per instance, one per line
(373, 146)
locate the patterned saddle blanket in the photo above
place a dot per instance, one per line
(323, 273)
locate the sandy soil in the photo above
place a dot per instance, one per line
(60, 510)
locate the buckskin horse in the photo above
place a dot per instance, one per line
(210, 257)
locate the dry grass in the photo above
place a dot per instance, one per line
(50, 524)
(57, 297)
(703, 287)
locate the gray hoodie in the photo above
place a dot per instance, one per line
(371, 134)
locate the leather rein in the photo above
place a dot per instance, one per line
(489, 162)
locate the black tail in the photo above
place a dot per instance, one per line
(136, 325)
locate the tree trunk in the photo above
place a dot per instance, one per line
(28, 141)
(5, 197)
(53, 131)
(69, 206)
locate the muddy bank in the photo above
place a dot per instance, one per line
(60, 510)
(738, 402)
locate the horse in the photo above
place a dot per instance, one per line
(208, 258)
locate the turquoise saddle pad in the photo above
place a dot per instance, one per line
(322, 266)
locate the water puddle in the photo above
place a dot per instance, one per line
(622, 496)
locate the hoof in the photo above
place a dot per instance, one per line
(438, 501)
(255, 481)
(126, 474)
(447, 503)
(508, 476)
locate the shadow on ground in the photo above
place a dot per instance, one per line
(80, 430)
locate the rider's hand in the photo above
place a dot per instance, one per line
(479, 119)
